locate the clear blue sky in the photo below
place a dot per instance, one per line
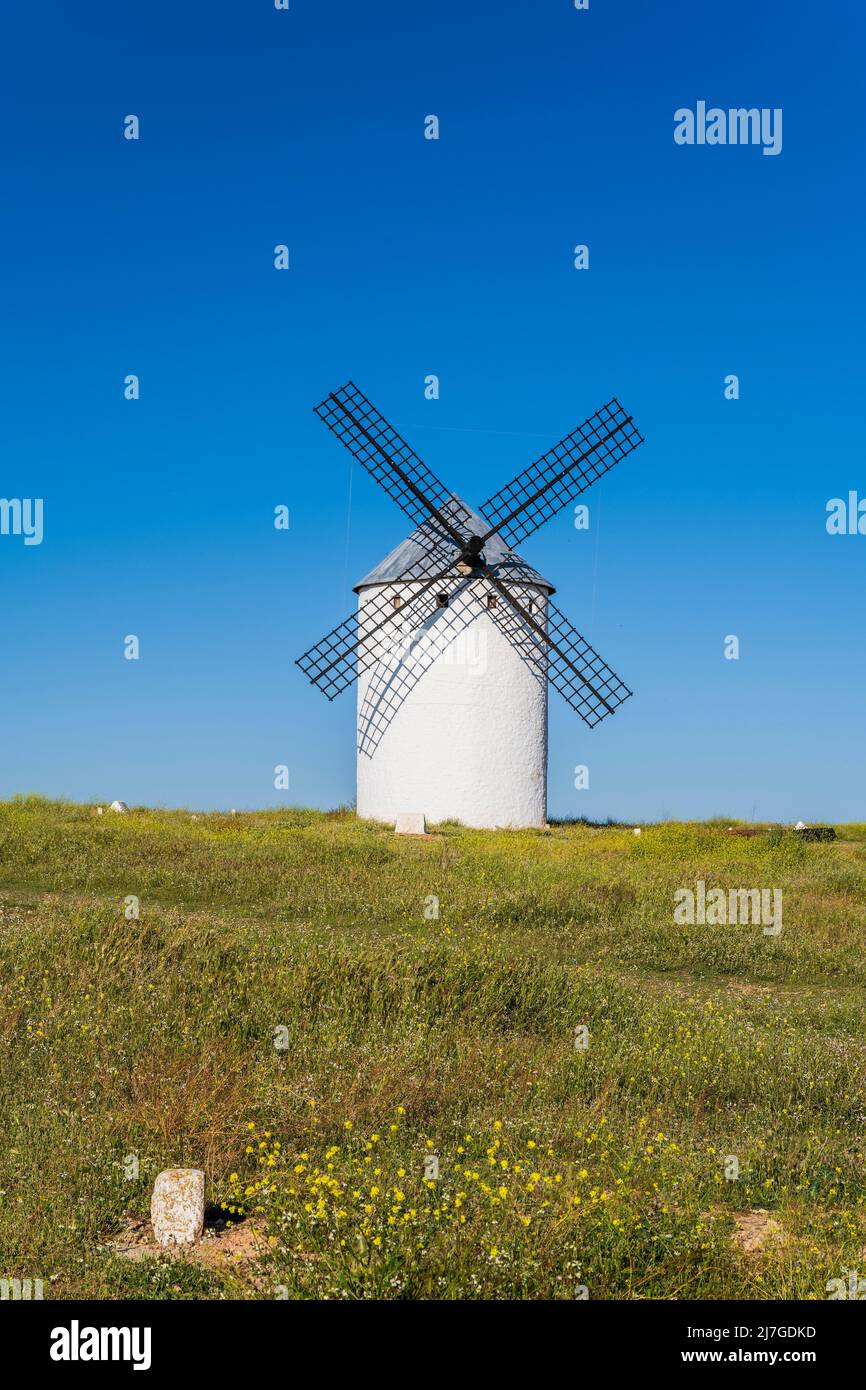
(411, 257)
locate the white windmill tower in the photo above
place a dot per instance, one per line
(480, 704)
(455, 637)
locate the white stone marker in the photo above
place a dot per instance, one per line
(120, 806)
(410, 823)
(177, 1206)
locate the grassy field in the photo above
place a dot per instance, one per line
(289, 1013)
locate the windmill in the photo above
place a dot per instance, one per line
(451, 731)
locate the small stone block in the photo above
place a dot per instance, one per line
(177, 1206)
(410, 823)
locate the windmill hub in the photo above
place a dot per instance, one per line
(453, 676)
(471, 556)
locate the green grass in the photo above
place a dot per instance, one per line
(155, 1038)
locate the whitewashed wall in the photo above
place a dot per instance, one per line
(455, 728)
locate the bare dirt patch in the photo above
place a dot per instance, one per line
(756, 1230)
(244, 1243)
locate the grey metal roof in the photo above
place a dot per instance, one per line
(410, 560)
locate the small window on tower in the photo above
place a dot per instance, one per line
(491, 600)
(441, 600)
(396, 601)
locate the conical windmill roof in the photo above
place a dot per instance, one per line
(413, 553)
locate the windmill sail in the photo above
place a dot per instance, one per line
(552, 647)
(367, 635)
(560, 475)
(453, 542)
(385, 454)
